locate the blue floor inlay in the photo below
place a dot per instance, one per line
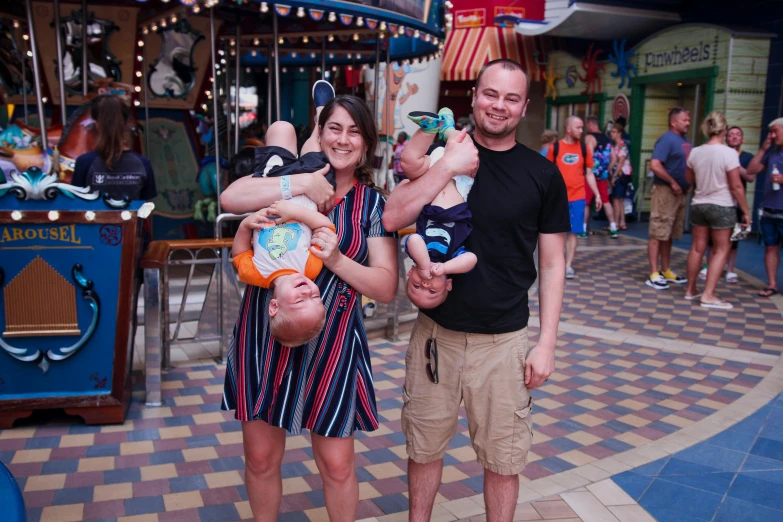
(735, 476)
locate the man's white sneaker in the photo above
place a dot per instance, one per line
(658, 282)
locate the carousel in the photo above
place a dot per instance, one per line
(205, 79)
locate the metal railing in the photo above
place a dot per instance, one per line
(156, 264)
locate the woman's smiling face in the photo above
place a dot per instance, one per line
(341, 141)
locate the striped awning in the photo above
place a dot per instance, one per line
(467, 50)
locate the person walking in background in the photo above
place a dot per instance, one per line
(668, 201)
(402, 140)
(770, 158)
(575, 161)
(619, 174)
(601, 146)
(715, 170)
(548, 137)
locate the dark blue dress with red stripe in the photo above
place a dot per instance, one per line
(326, 386)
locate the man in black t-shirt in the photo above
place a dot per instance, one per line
(474, 346)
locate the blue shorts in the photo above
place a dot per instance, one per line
(576, 211)
(620, 187)
(771, 231)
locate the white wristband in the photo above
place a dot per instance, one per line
(285, 187)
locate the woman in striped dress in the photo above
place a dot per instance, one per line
(326, 386)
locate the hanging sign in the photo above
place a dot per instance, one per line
(470, 18)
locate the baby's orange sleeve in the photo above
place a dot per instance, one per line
(248, 273)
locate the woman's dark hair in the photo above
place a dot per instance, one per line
(359, 112)
(111, 116)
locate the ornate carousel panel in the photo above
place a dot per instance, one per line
(67, 286)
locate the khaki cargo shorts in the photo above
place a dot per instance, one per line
(667, 213)
(485, 371)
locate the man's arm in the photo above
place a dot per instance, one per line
(591, 142)
(540, 361)
(407, 199)
(590, 178)
(660, 172)
(757, 163)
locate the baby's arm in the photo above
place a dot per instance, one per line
(243, 239)
(414, 160)
(417, 249)
(461, 264)
(288, 211)
(242, 252)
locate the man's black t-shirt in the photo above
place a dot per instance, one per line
(517, 195)
(130, 176)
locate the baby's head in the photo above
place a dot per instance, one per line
(427, 293)
(296, 312)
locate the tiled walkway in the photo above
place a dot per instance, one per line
(632, 387)
(735, 475)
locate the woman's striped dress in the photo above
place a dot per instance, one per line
(326, 386)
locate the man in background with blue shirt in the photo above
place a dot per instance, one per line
(669, 198)
(770, 158)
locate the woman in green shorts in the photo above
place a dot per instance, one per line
(714, 169)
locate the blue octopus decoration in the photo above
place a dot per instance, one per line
(621, 58)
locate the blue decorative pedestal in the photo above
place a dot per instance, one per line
(68, 287)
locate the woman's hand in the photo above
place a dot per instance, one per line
(318, 189)
(257, 221)
(745, 220)
(324, 246)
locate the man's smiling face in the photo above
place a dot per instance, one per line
(500, 101)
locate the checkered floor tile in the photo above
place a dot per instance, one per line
(184, 461)
(609, 292)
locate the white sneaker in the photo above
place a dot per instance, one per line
(570, 274)
(658, 282)
(703, 274)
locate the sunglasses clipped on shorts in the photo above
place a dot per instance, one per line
(431, 352)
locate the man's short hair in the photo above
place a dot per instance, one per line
(507, 64)
(738, 128)
(571, 119)
(674, 112)
(593, 119)
(776, 123)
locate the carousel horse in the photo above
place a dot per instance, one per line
(206, 209)
(20, 149)
(65, 143)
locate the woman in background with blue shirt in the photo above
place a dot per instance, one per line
(113, 168)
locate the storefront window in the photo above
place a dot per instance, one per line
(561, 112)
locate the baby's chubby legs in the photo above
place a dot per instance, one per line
(322, 93)
(414, 160)
(312, 144)
(281, 134)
